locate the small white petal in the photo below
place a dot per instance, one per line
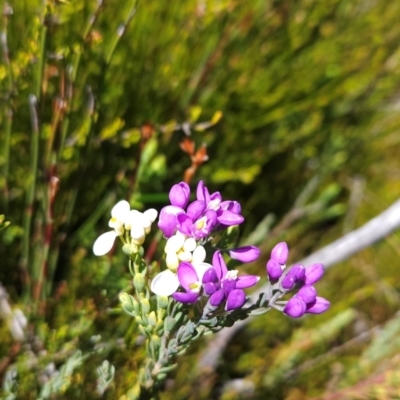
(138, 233)
(165, 283)
(199, 255)
(185, 256)
(151, 214)
(189, 245)
(104, 243)
(145, 221)
(201, 268)
(172, 260)
(120, 210)
(174, 243)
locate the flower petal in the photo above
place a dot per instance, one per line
(104, 243)
(202, 192)
(195, 209)
(184, 297)
(201, 269)
(219, 265)
(229, 218)
(246, 281)
(187, 275)
(120, 210)
(320, 306)
(199, 255)
(151, 214)
(245, 254)
(165, 283)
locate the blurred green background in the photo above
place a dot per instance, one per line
(298, 104)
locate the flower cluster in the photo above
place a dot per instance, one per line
(197, 290)
(131, 226)
(201, 217)
(297, 277)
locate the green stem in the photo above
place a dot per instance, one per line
(120, 31)
(30, 195)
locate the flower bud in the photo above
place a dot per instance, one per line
(236, 299)
(295, 274)
(217, 298)
(295, 307)
(179, 195)
(152, 319)
(274, 270)
(307, 293)
(280, 253)
(319, 306)
(313, 273)
(139, 282)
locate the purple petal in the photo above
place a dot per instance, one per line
(295, 307)
(307, 293)
(229, 218)
(295, 274)
(274, 270)
(186, 275)
(210, 276)
(246, 281)
(219, 265)
(236, 299)
(245, 253)
(183, 297)
(313, 273)
(280, 253)
(319, 306)
(217, 298)
(167, 222)
(215, 201)
(195, 209)
(230, 205)
(184, 224)
(202, 192)
(228, 285)
(179, 194)
(203, 226)
(210, 288)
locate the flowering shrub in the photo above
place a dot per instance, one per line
(196, 292)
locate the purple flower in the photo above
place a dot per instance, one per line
(236, 298)
(207, 213)
(295, 275)
(313, 273)
(223, 285)
(167, 221)
(245, 254)
(307, 293)
(295, 307)
(280, 253)
(179, 195)
(274, 270)
(318, 306)
(190, 278)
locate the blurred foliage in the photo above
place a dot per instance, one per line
(297, 102)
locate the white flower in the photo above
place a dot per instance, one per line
(124, 219)
(178, 248)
